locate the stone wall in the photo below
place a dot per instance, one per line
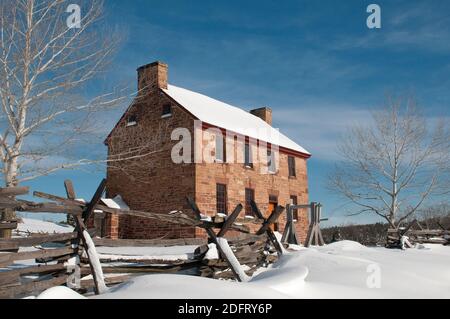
(150, 181)
(237, 177)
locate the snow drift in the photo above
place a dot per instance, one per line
(340, 270)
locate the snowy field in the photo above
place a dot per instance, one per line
(177, 253)
(40, 226)
(341, 270)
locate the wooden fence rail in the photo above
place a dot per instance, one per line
(60, 248)
(51, 263)
(420, 236)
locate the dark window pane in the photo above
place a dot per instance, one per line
(295, 202)
(167, 110)
(249, 197)
(292, 169)
(248, 156)
(273, 199)
(132, 120)
(222, 199)
(225, 149)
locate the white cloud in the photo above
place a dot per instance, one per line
(319, 128)
(415, 27)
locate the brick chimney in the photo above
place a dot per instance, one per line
(153, 76)
(264, 113)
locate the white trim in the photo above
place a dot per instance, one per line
(165, 116)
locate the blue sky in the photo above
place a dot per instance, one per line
(315, 63)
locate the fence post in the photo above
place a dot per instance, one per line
(289, 234)
(267, 223)
(83, 236)
(234, 265)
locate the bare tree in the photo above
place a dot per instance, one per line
(47, 96)
(395, 166)
(46, 67)
(434, 214)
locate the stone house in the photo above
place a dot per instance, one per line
(145, 169)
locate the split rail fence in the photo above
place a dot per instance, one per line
(56, 255)
(414, 233)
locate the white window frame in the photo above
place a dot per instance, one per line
(220, 149)
(250, 163)
(164, 116)
(132, 123)
(273, 162)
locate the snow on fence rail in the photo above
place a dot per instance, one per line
(54, 266)
(396, 237)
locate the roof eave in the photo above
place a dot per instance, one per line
(282, 148)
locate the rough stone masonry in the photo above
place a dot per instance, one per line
(151, 181)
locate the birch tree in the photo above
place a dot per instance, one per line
(48, 62)
(395, 166)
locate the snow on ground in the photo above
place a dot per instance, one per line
(147, 253)
(40, 226)
(341, 270)
(36, 227)
(181, 287)
(60, 293)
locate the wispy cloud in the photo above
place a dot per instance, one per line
(319, 128)
(416, 26)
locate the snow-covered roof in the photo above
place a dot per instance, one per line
(116, 203)
(40, 226)
(225, 116)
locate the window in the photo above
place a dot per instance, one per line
(271, 162)
(220, 148)
(249, 197)
(291, 163)
(221, 196)
(295, 211)
(132, 120)
(167, 111)
(248, 156)
(273, 203)
(273, 199)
